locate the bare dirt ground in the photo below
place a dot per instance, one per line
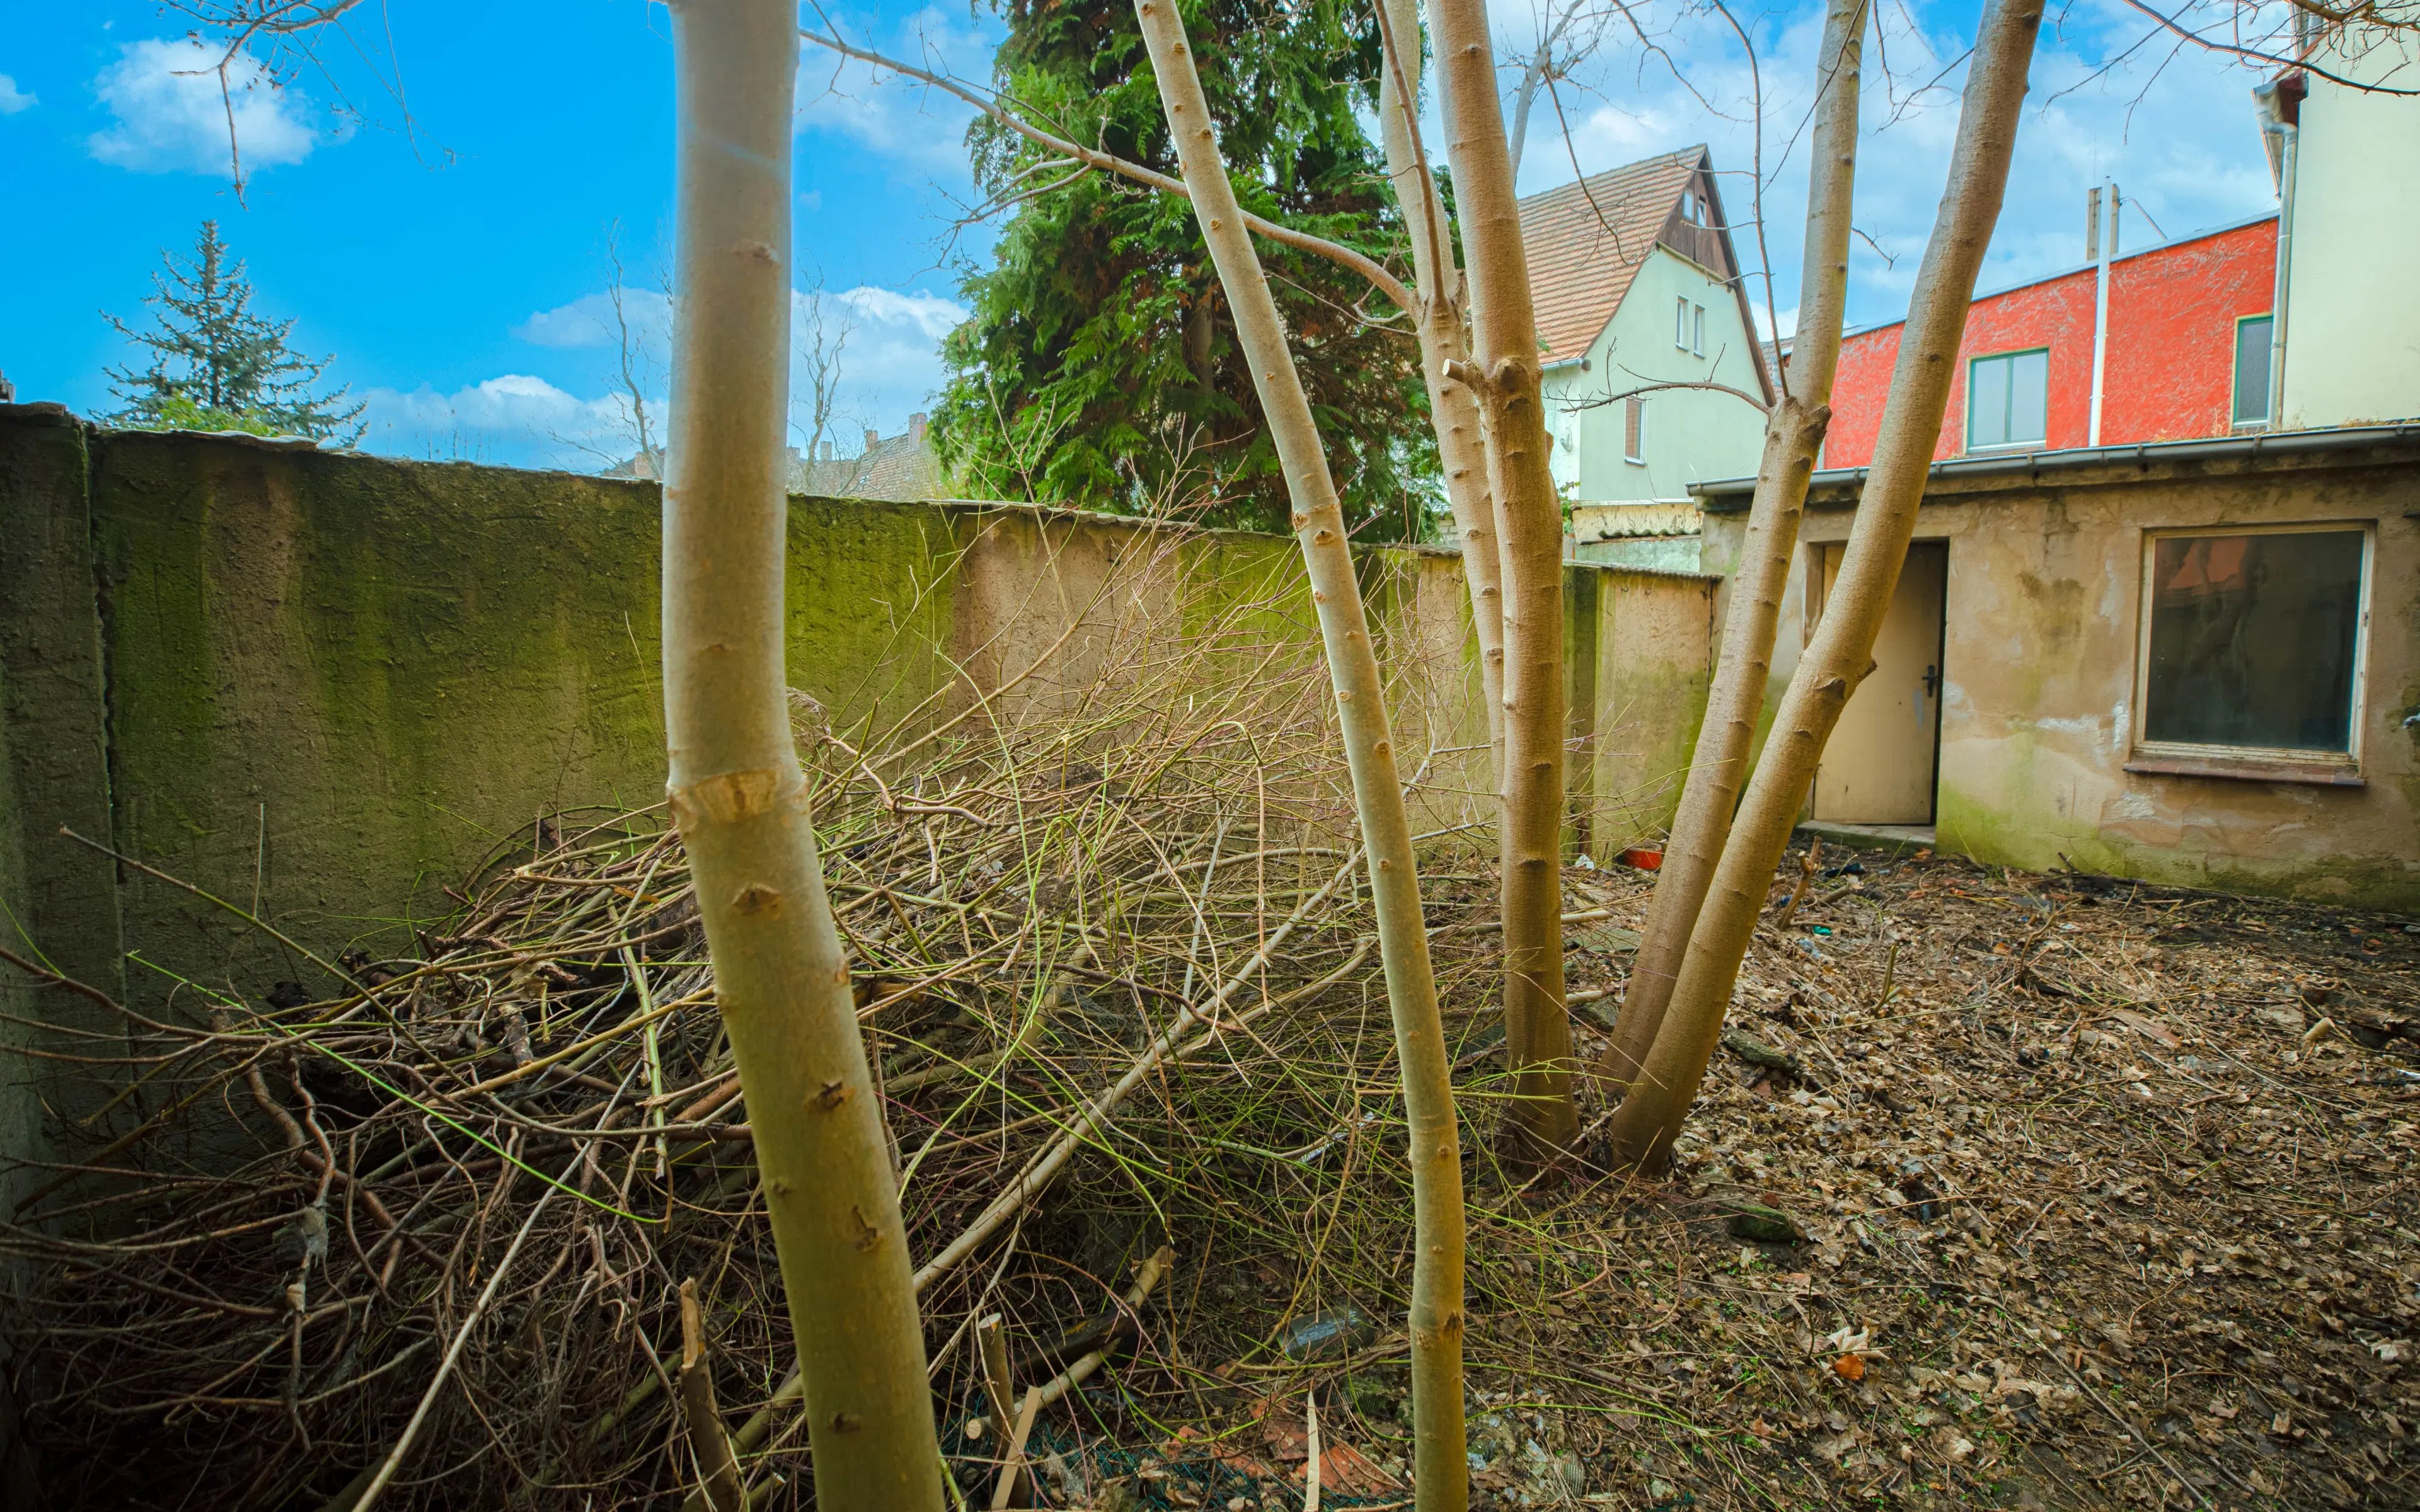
(2107, 1199)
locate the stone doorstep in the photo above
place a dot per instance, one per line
(1870, 836)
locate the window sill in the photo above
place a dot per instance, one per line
(2251, 769)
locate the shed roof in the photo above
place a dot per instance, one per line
(2323, 446)
(1588, 239)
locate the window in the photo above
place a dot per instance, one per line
(2008, 399)
(2252, 370)
(1693, 209)
(1689, 327)
(2252, 641)
(1634, 419)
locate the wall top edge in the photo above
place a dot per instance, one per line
(2312, 451)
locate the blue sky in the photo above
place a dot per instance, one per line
(452, 258)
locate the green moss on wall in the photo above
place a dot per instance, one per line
(340, 681)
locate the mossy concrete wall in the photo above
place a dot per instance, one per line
(326, 684)
(2041, 677)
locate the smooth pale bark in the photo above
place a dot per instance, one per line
(1793, 433)
(738, 794)
(1840, 654)
(1441, 1474)
(1445, 339)
(1505, 378)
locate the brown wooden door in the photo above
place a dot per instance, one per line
(1880, 764)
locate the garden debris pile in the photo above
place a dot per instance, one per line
(2027, 1189)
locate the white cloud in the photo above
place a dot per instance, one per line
(2176, 130)
(590, 322)
(171, 117)
(889, 367)
(929, 313)
(12, 98)
(912, 124)
(515, 419)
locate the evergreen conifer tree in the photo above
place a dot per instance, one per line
(1100, 367)
(216, 365)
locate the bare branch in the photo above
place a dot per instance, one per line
(1741, 394)
(2255, 56)
(1343, 256)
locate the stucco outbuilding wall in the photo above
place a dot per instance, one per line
(2044, 608)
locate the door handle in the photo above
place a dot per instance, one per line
(1932, 682)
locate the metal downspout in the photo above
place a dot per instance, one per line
(2289, 144)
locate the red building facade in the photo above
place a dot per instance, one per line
(2178, 335)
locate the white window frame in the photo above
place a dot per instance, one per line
(1680, 322)
(2297, 760)
(1698, 329)
(1638, 405)
(2010, 357)
(2235, 374)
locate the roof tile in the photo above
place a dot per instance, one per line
(1586, 240)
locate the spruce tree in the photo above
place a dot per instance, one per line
(1100, 367)
(216, 365)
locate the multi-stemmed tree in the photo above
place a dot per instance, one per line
(1840, 655)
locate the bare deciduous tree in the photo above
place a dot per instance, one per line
(1504, 375)
(1441, 1473)
(1793, 433)
(1570, 33)
(818, 337)
(1840, 655)
(738, 793)
(636, 369)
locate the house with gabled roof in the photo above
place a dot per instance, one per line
(1636, 285)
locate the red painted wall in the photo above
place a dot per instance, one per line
(2170, 373)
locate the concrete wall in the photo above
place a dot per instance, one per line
(2043, 621)
(1686, 435)
(332, 682)
(2352, 342)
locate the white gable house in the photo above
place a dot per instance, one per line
(1636, 286)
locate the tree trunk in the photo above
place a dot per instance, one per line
(1441, 1473)
(1445, 340)
(738, 794)
(1840, 654)
(1533, 77)
(1793, 433)
(1539, 1120)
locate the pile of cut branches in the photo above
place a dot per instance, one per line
(430, 1221)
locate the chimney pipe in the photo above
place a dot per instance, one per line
(872, 440)
(916, 428)
(2105, 246)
